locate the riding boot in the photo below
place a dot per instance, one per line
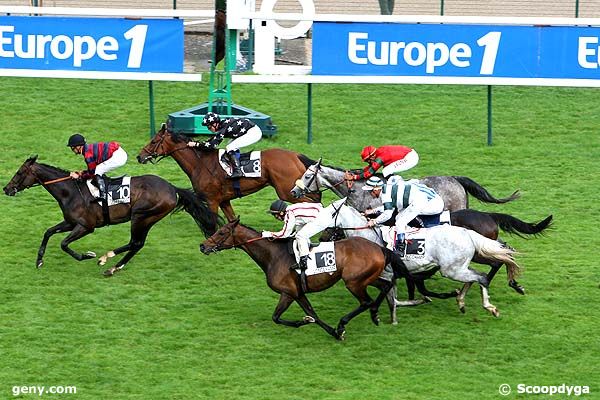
(236, 168)
(400, 245)
(302, 265)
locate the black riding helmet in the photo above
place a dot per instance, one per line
(278, 206)
(76, 140)
(211, 118)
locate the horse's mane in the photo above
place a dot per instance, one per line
(56, 169)
(305, 160)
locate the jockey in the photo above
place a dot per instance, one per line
(242, 131)
(294, 217)
(392, 158)
(410, 199)
(100, 158)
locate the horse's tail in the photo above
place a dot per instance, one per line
(496, 251)
(481, 194)
(196, 205)
(513, 225)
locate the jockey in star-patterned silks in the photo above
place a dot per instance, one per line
(241, 131)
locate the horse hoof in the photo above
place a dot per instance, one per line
(109, 272)
(39, 264)
(462, 309)
(88, 255)
(495, 312)
(341, 335)
(426, 299)
(376, 320)
(515, 285)
(394, 322)
(308, 319)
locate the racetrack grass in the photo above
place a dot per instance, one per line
(176, 324)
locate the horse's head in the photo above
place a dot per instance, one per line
(23, 179)
(163, 144)
(308, 182)
(223, 239)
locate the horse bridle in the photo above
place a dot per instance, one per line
(306, 190)
(155, 158)
(219, 245)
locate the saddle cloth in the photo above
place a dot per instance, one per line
(415, 241)
(250, 163)
(321, 259)
(118, 190)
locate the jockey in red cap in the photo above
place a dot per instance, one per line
(392, 158)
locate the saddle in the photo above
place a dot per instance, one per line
(250, 164)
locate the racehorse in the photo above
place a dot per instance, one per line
(453, 189)
(359, 264)
(279, 169)
(151, 199)
(353, 223)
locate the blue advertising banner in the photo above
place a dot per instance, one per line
(392, 49)
(91, 44)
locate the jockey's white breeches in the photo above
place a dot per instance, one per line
(408, 162)
(420, 206)
(118, 159)
(302, 241)
(253, 135)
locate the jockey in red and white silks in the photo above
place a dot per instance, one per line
(317, 225)
(392, 158)
(294, 218)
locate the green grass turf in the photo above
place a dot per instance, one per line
(176, 324)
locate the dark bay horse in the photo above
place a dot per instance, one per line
(359, 264)
(280, 168)
(152, 198)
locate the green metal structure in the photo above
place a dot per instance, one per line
(189, 121)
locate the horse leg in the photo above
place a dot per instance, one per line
(460, 299)
(425, 292)
(284, 303)
(485, 301)
(64, 226)
(366, 302)
(389, 288)
(110, 254)
(227, 210)
(496, 266)
(139, 233)
(302, 300)
(77, 233)
(410, 287)
(463, 273)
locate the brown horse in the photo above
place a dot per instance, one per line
(151, 199)
(359, 264)
(279, 169)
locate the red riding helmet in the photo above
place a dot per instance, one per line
(367, 152)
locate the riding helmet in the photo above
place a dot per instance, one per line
(211, 118)
(367, 152)
(373, 182)
(278, 206)
(76, 140)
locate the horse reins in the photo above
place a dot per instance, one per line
(155, 158)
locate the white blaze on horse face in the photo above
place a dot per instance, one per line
(300, 185)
